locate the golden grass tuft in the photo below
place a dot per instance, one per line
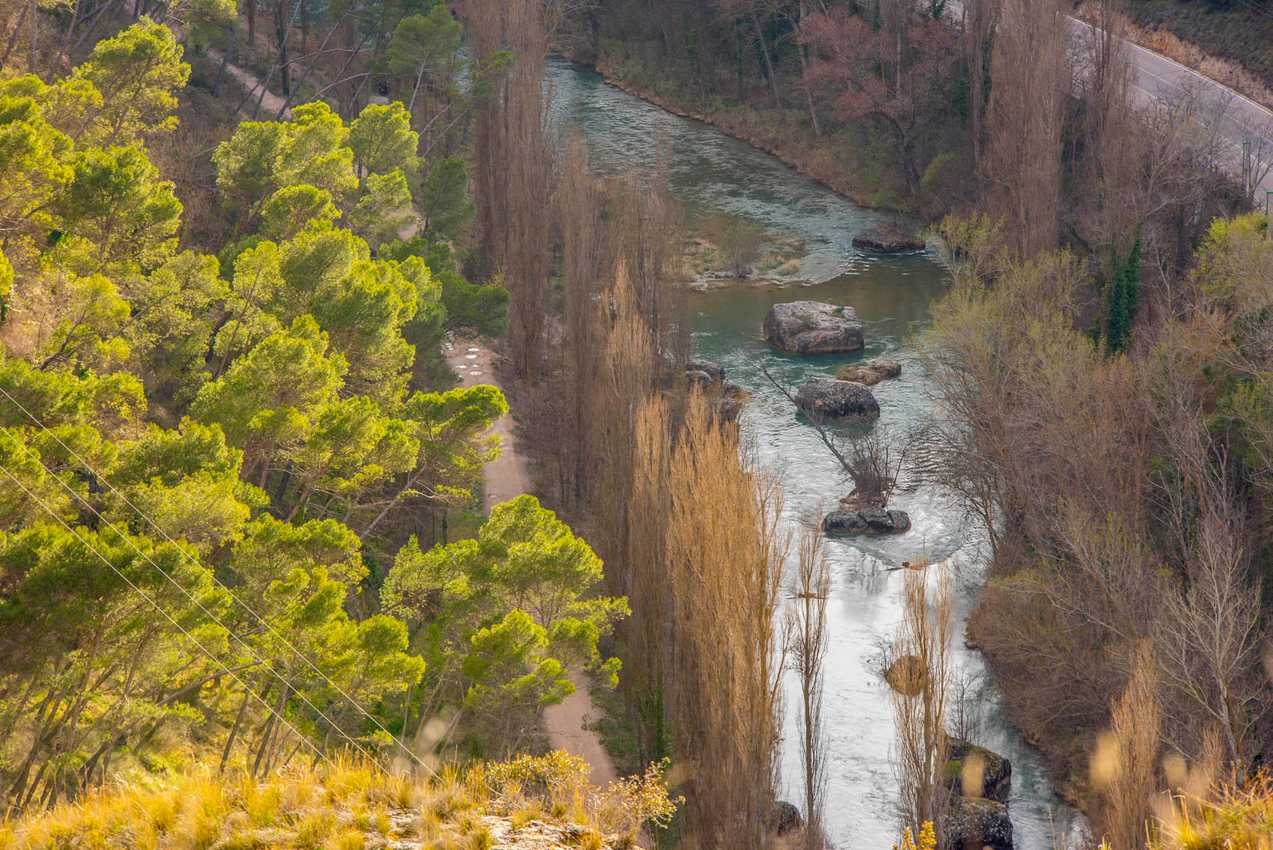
(348, 805)
(1239, 818)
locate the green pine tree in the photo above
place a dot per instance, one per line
(1123, 299)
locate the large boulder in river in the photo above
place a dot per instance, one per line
(887, 238)
(827, 397)
(871, 372)
(976, 822)
(977, 772)
(866, 522)
(811, 327)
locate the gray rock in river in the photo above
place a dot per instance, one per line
(729, 403)
(699, 377)
(976, 822)
(887, 238)
(866, 522)
(871, 372)
(707, 367)
(978, 772)
(828, 397)
(811, 327)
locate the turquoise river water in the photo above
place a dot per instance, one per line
(707, 172)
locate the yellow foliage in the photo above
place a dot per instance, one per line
(1241, 818)
(559, 783)
(927, 839)
(348, 805)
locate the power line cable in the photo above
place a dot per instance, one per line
(131, 584)
(260, 619)
(256, 655)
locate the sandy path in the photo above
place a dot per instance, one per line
(505, 477)
(270, 102)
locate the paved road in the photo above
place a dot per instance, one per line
(1238, 120)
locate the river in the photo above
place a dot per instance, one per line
(709, 171)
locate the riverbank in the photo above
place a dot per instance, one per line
(843, 162)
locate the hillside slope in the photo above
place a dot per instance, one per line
(542, 803)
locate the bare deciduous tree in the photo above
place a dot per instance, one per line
(725, 554)
(513, 173)
(872, 459)
(979, 17)
(1210, 635)
(1023, 162)
(919, 710)
(807, 640)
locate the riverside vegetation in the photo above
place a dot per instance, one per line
(243, 586)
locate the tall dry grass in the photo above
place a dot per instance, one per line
(725, 553)
(351, 805)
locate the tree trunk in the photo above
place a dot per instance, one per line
(769, 65)
(281, 15)
(304, 27)
(33, 47)
(70, 27)
(230, 43)
(801, 51)
(234, 731)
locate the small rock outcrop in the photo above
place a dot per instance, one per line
(888, 238)
(812, 327)
(726, 399)
(831, 398)
(708, 367)
(728, 404)
(871, 372)
(699, 378)
(977, 772)
(866, 522)
(976, 822)
(784, 818)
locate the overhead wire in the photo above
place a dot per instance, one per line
(172, 620)
(264, 622)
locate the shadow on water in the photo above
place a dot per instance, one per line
(709, 171)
